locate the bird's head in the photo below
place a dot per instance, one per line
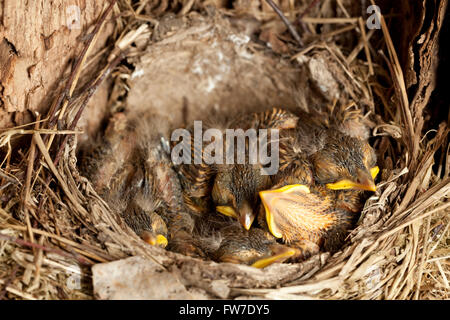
(235, 193)
(230, 202)
(345, 163)
(154, 239)
(155, 233)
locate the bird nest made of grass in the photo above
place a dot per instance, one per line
(186, 59)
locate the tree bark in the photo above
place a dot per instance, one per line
(38, 41)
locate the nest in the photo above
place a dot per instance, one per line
(183, 59)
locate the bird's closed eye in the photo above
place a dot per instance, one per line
(222, 194)
(326, 170)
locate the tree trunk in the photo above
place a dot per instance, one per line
(38, 41)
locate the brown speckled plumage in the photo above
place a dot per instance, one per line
(320, 219)
(247, 247)
(333, 155)
(131, 169)
(230, 185)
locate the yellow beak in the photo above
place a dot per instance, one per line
(374, 172)
(366, 182)
(348, 184)
(227, 210)
(264, 262)
(245, 215)
(161, 241)
(158, 240)
(270, 198)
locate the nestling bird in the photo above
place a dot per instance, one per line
(317, 193)
(226, 241)
(337, 160)
(255, 247)
(235, 191)
(132, 170)
(147, 224)
(231, 189)
(311, 219)
(236, 186)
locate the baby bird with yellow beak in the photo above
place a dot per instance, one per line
(310, 218)
(236, 186)
(235, 191)
(311, 153)
(131, 169)
(256, 247)
(318, 192)
(338, 160)
(231, 189)
(345, 163)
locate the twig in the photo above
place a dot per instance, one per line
(5, 176)
(26, 192)
(187, 6)
(444, 278)
(67, 92)
(306, 11)
(90, 93)
(337, 32)
(21, 242)
(38, 257)
(82, 249)
(447, 257)
(311, 5)
(366, 45)
(71, 83)
(286, 22)
(423, 258)
(330, 20)
(341, 6)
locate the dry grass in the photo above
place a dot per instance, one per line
(54, 225)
